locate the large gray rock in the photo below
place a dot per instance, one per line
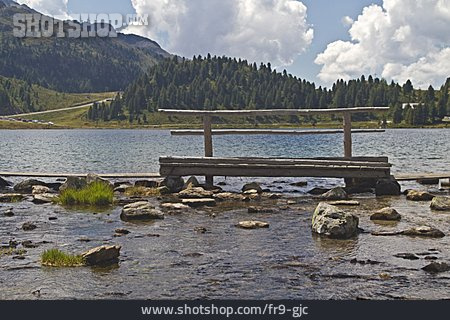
(195, 193)
(387, 187)
(337, 193)
(386, 214)
(26, 186)
(174, 184)
(141, 210)
(102, 255)
(44, 198)
(4, 183)
(437, 267)
(75, 183)
(440, 204)
(415, 195)
(333, 222)
(252, 186)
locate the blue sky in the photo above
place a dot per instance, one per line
(393, 39)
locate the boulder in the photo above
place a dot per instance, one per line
(387, 187)
(174, 184)
(40, 189)
(174, 206)
(337, 193)
(141, 210)
(252, 224)
(195, 203)
(192, 182)
(440, 204)
(26, 186)
(415, 195)
(102, 255)
(252, 186)
(318, 191)
(195, 193)
(11, 197)
(147, 183)
(424, 231)
(228, 196)
(332, 222)
(92, 177)
(437, 267)
(386, 214)
(4, 183)
(44, 198)
(75, 183)
(122, 187)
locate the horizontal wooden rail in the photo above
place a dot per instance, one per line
(271, 112)
(267, 132)
(65, 175)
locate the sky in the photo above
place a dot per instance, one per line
(316, 40)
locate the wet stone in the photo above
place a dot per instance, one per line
(28, 226)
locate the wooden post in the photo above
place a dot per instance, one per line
(347, 135)
(208, 146)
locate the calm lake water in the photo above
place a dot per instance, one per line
(167, 259)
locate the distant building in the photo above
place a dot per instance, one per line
(411, 105)
(446, 119)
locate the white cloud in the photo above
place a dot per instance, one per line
(257, 30)
(400, 40)
(56, 8)
(347, 21)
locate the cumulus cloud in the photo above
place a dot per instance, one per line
(56, 8)
(347, 21)
(400, 40)
(257, 30)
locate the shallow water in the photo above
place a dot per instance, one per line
(168, 259)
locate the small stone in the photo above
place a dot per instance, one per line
(337, 193)
(9, 213)
(437, 267)
(407, 256)
(28, 226)
(44, 198)
(200, 229)
(122, 188)
(252, 224)
(195, 203)
(386, 214)
(344, 203)
(273, 196)
(40, 189)
(300, 184)
(141, 210)
(440, 204)
(28, 244)
(195, 193)
(414, 195)
(163, 190)
(259, 210)
(174, 206)
(228, 196)
(52, 218)
(122, 231)
(252, 186)
(424, 231)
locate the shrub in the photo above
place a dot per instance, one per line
(57, 258)
(95, 194)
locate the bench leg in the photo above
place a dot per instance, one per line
(209, 181)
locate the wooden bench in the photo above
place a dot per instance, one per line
(276, 167)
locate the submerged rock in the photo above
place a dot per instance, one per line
(252, 224)
(318, 191)
(424, 231)
(195, 203)
(174, 184)
(387, 187)
(386, 214)
(299, 184)
(344, 203)
(415, 195)
(332, 222)
(440, 204)
(75, 183)
(141, 210)
(11, 197)
(337, 193)
(26, 186)
(102, 255)
(174, 206)
(9, 213)
(28, 226)
(407, 256)
(259, 210)
(252, 186)
(437, 267)
(195, 193)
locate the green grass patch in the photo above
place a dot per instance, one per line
(96, 194)
(58, 258)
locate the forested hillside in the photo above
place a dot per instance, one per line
(215, 83)
(74, 65)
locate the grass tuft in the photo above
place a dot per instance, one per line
(57, 258)
(96, 194)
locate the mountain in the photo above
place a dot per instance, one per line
(73, 64)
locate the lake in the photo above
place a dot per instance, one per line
(167, 259)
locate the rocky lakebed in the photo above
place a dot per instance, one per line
(176, 239)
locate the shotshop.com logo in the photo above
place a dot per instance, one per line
(81, 26)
